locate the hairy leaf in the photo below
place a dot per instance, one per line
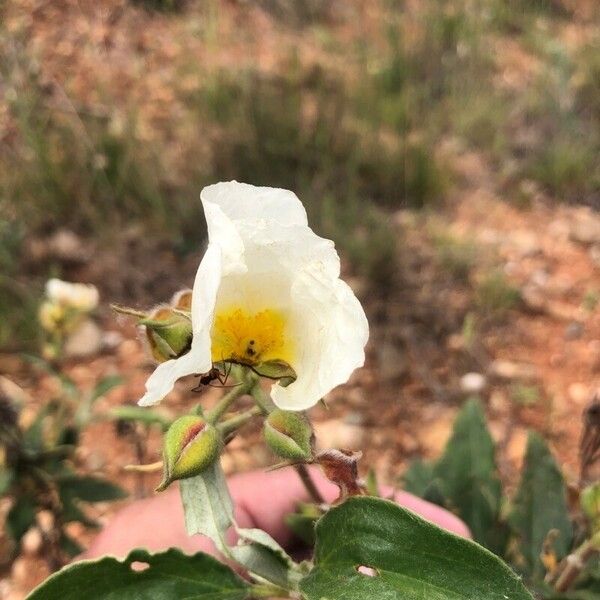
(168, 575)
(540, 505)
(467, 472)
(410, 559)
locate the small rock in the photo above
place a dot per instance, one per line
(586, 227)
(525, 242)
(540, 278)
(533, 297)
(579, 393)
(85, 341)
(473, 383)
(45, 520)
(68, 247)
(32, 541)
(506, 369)
(20, 571)
(573, 331)
(95, 461)
(111, 340)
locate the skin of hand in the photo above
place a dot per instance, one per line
(261, 499)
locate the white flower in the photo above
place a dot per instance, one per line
(81, 296)
(268, 288)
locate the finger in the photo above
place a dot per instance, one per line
(267, 497)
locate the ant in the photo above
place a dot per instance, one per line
(215, 374)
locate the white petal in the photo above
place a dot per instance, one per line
(240, 202)
(198, 359)
(331, 333)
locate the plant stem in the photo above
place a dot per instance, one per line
(236, 422)
(576, 562)
(226, 401)
(263, 400)
(309, 484)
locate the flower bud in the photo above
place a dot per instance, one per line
(190, 446)
(289, 435)
(169, 333)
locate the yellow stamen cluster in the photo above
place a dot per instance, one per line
(250, 338)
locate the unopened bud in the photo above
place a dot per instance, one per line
(289, 435)
(182, 300)
(190, 446)
(169, 333)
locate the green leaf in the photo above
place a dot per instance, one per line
(21, 517)
(105, 385)
(168, 575)
(69, 545)
(6, 479)
(276, 369)
(90, 489)
(262, 556)
(419, 477)
(207, 505)
(412, 558)
(302, 522)
(467, 472)
(540, 505)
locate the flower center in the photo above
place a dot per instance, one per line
(250, 338)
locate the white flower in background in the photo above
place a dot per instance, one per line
(80, 296)
(268, 289)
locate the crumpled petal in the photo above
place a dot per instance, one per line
(243, 202)
(331, 333)
(263, 256)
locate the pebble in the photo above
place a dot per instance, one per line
(505, 369)
(32, 541)
(20, 571)
(111, 340)
(473, 383)
(579, 393)
(45, 520)
(586, 227)
(573, 331)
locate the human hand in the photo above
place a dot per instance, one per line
(261, 499)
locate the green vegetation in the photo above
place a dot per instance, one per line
(530, 535)
(356, 130)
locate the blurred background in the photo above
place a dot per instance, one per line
(449, 147)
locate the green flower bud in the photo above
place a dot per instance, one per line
(190, 446)
(169, 332)
(289, 435)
